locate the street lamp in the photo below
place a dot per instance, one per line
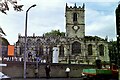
(25, 54)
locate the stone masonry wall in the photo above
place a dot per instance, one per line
(16, 69)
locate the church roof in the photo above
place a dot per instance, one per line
(94, 38)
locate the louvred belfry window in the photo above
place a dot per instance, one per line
(74, 17)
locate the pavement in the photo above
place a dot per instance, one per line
(49, 79)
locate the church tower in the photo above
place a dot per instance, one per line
(75, 21)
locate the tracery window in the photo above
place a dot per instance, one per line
(101, 50)
(90, 49)
(38, 41)
(29, 42)
(76, 48)
(61, 51)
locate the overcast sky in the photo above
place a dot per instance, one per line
(50, 15)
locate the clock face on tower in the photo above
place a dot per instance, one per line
(75, 28)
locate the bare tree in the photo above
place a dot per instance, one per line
(4, 5)
(2, 32)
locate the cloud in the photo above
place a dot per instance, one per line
(94, 0)
(42, 18)
(43, 4)
(50, 14)
(100, 23)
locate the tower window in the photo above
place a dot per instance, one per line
(74, 17)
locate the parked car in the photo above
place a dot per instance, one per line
(4, 77)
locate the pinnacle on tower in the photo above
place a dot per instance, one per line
(83, 6)
(75, 6)
(66, 5)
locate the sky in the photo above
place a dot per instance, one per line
(50, 15)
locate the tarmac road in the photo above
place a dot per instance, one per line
(51, 79)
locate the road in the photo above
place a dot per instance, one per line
(52, 79)
(58, 78)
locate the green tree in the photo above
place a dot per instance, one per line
(55, 33)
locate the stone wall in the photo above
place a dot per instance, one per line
(16, 69)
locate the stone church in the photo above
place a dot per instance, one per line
(74, 47)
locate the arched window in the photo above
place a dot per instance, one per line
(48, 40)
(101, 50)
(76, 48)
(74, 17)
(29, 42)
(90, 49)
(61, 51)
(38, 41)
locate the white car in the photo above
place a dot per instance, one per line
(4, 77)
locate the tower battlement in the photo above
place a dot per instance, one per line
(75, 7)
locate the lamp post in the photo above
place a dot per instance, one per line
(25, 54)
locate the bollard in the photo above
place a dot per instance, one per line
(67, 72)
